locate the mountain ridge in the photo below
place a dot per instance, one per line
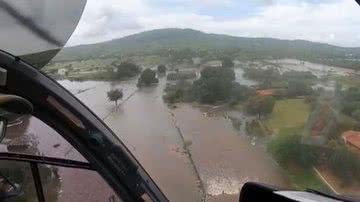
(225, 35)
(152, 41)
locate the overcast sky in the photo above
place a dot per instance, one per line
(332, 21)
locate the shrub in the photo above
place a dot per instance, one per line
(345, 164)
(289, 149)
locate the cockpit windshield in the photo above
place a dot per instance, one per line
(209, 94)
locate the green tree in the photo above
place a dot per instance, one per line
(298, 88)
(161, 69)
(147, 78)
(288, 148)
(178, 92)
(263, 75)
(352, 94)
(227, 62)
(240, 92)
(260, 106)
(212, 90)
(349, 107)
(299, 75)
(214, 85)
(126, 70)
(345, 164)
(218, 73)
(115, 95)
(356, 114)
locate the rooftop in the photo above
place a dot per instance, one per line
(352, 137)
(265, 92)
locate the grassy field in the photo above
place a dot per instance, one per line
(290, 113)
(306, 178)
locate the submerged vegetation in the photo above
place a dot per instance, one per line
(125, 70)
(260, 105)
(215, 85)
(181, 75)
(147, 78)
(178, 92)
(161, 69)
(115, 95)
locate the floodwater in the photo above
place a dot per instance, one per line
(190, 155)
(239, 77)
(221, 161)
(316, 69)
(285, 65)
(224, 159)
(146, 126)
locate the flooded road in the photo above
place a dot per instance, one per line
(145, 125)
(222, 159)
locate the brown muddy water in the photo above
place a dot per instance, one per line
(220, 160)
(190, 155)
(225, 159)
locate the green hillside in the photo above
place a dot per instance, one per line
(163, 41)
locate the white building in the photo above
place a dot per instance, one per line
(62, 71)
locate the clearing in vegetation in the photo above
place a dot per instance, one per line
(288, 113)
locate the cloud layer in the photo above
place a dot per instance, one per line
(334, 22)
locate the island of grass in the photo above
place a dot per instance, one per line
(288, 113)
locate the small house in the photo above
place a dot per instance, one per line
(265, 92)
(352, 138)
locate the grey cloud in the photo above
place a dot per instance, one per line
(330, 22)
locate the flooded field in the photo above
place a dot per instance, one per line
(239, 77)
(192, 152)
(225, 160)
(316, 69)
(221, 158)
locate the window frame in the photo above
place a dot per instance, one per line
(96, 142)
(34, 162)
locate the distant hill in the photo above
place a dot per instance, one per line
(178, 39)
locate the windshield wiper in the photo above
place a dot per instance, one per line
(29, 24)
